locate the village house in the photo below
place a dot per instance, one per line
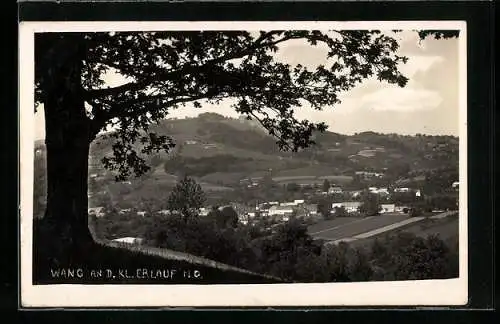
(382, 191)
(96, 211)
(263, 213)
(203, 211)
(349, 206)
(335, 190)
(310, 210)
(280, 211)
(401, 189)
(367, 174)
(355, 193)
(129, 240)
(336, 205)
(243, 218)
(402, 209)
(387, 208)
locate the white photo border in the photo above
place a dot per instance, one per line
(447, 292)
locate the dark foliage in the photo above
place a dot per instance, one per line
(291, 254)
(186, 198)
(370, 205)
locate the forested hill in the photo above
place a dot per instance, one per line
(217, 139)
(220, 152)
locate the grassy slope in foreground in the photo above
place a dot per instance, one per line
(122, 261)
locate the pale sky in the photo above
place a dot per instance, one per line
(428, 104)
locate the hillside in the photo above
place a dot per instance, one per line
(220, 153)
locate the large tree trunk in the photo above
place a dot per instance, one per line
(64, 229)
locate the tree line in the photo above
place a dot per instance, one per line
(288, 252)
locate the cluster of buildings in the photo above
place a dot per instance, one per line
(374, 190)
(352, 207)
(282, 211)
(279, 211)
(368, 174)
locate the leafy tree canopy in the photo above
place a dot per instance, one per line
(166, 70)
(187, 197)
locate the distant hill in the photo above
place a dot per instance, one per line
(219, 152)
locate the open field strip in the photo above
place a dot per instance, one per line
(388, 228)
(342, 228)
(342, 225)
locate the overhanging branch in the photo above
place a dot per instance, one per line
(174, 74)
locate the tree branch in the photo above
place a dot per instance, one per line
(274, 134)
(170, 75)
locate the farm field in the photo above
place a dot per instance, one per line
(308, 179)
(347, 227)
(446, 229)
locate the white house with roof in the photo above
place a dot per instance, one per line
(243, 218)
(288, 204)
(335, 190)
(387, 208)
(382, 191)
(402, 189)
(349, 206)
(96, 211)
(310, 209)
(203, 211)
(401, 209)
(128, 240)
(355, 193)
(280, 210)
(263, 213)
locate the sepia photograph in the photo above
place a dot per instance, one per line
(243, 163)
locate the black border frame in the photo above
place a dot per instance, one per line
(480, 40)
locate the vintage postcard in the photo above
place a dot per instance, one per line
(243, 163)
